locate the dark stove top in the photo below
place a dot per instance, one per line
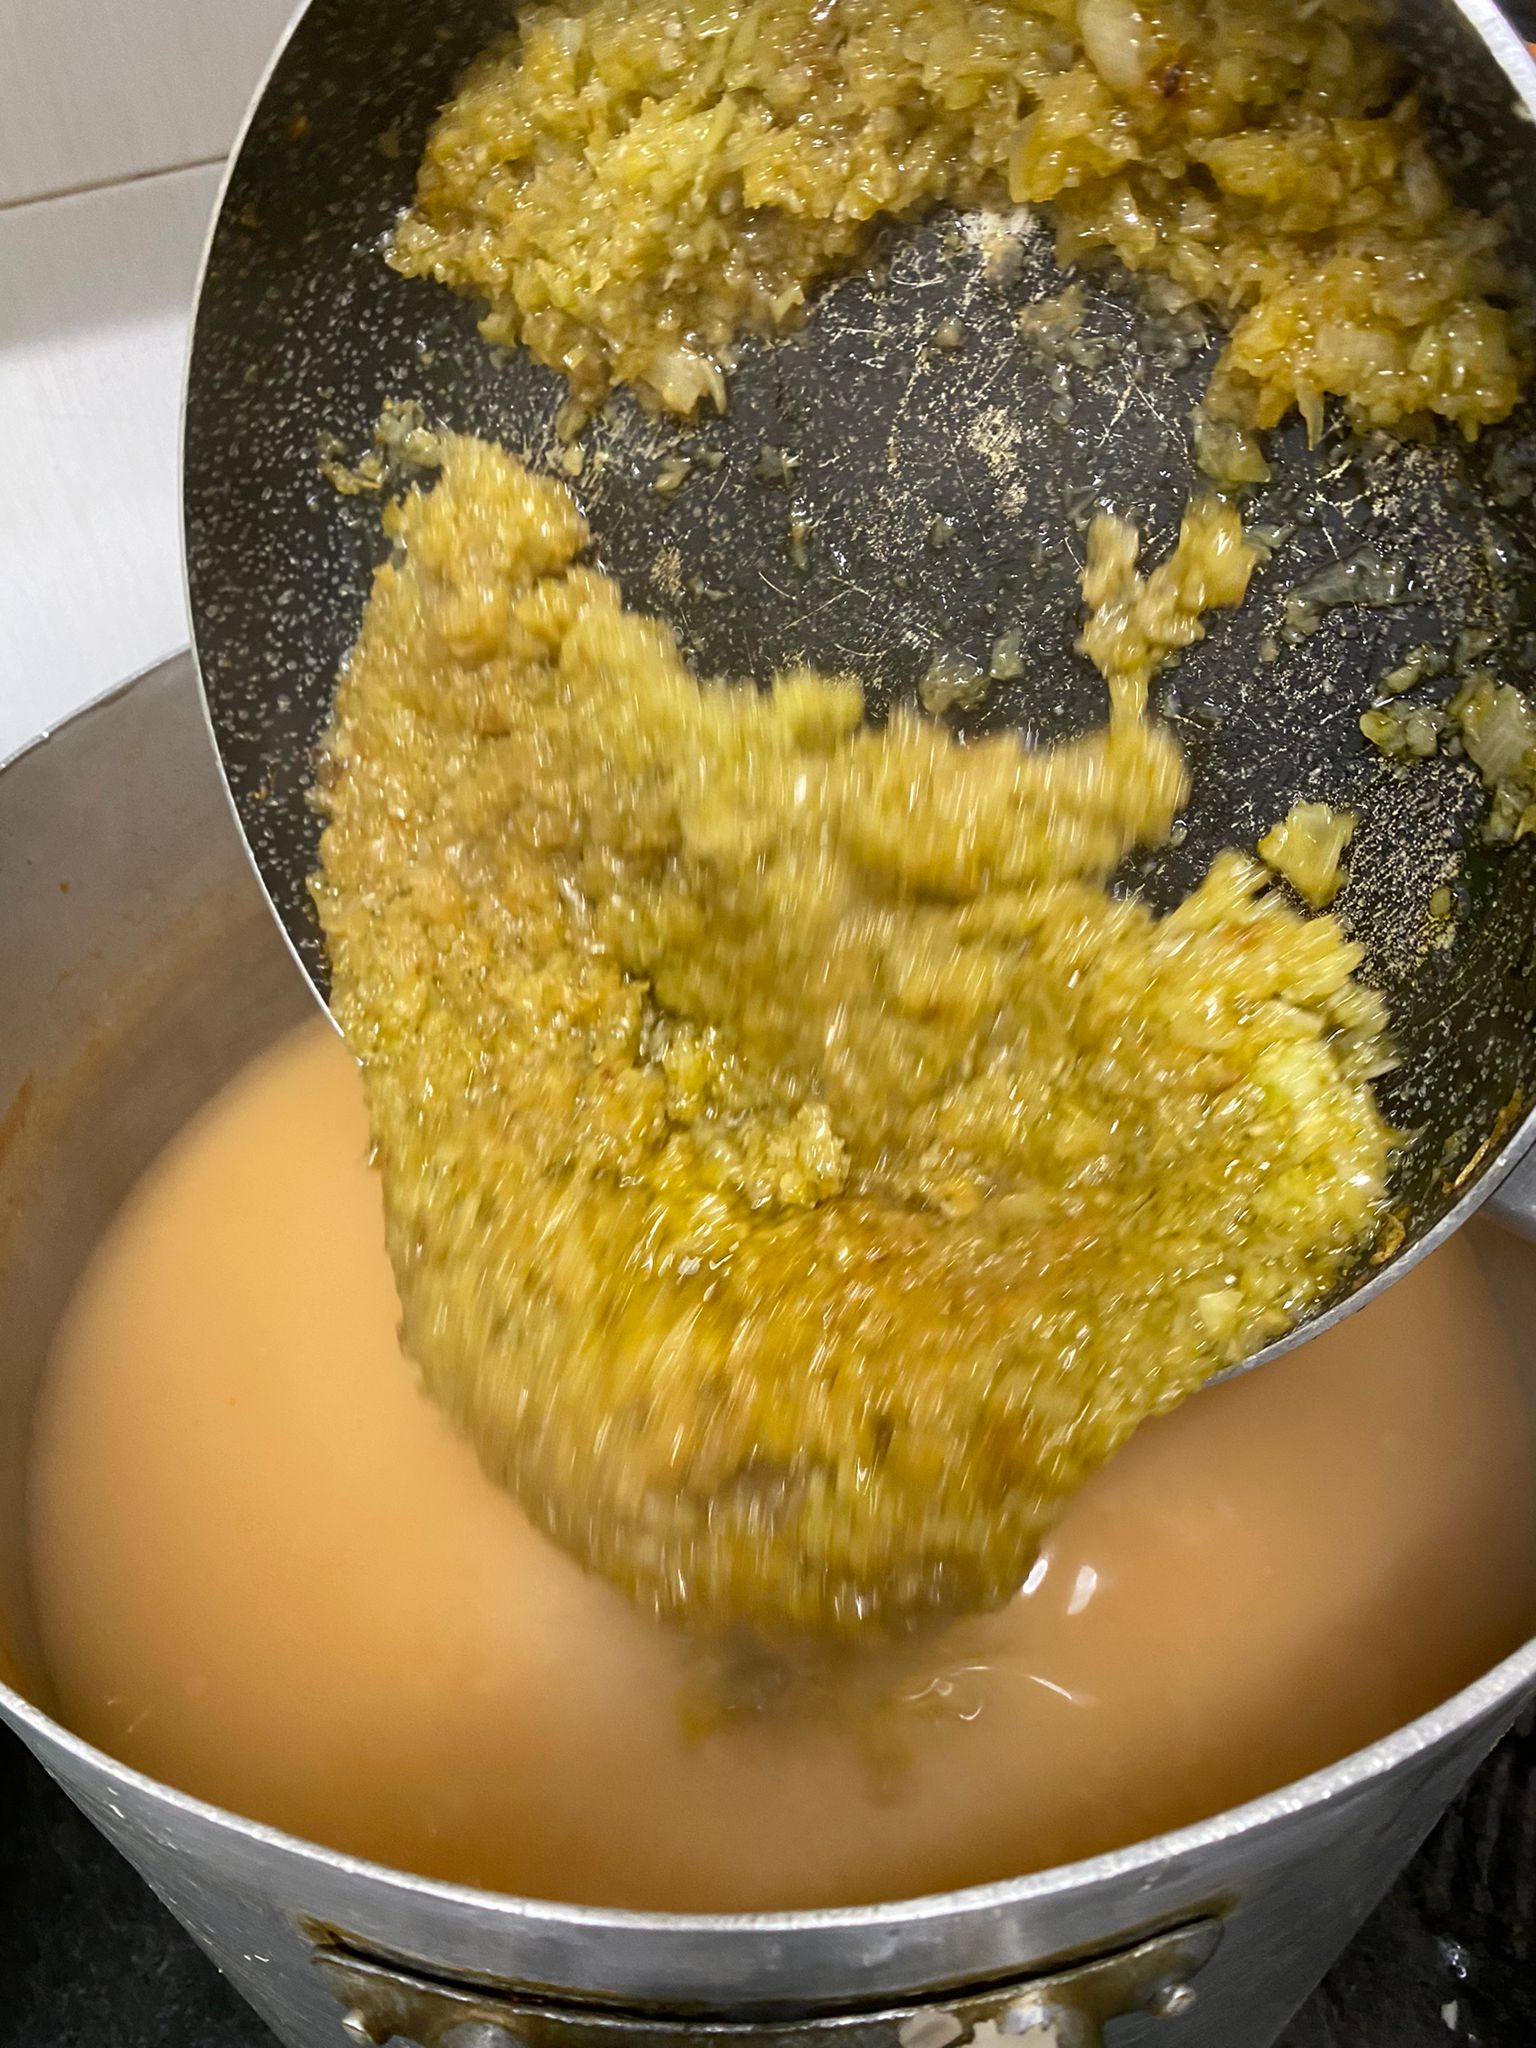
(89, 1959)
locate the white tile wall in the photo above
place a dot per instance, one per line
(126, 106)
(92, 91)
(91, 351)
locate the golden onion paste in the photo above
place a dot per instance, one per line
(629, 185)
(801, 1171)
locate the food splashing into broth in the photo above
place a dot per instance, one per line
(801, 1172)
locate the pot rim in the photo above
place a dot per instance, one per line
(1503, 1683)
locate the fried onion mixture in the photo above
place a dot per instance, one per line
(631, 185)
(801, 1170)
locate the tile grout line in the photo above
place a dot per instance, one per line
(196, 163)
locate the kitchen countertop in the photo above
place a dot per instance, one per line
(89, 1959)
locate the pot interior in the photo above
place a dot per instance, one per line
(143, 970)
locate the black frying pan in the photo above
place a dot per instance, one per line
(944, 493)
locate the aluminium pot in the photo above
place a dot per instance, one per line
(139, 969)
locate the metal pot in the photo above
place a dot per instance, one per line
(139, 968)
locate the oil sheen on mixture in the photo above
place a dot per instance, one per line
(801, 1169)
(269, 1571)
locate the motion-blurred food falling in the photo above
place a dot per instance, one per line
(801, 1171)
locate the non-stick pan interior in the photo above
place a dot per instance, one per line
(904, 479)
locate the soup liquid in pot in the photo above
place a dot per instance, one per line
(268, 1572)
